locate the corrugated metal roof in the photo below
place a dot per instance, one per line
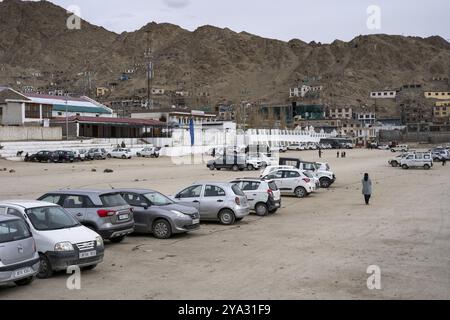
(127, 121)
(72, 108)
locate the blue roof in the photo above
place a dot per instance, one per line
(72, 108)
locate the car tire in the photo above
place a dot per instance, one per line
(117, 239)
(250, 167)
(325, 183)
(392, 150)
(227, 217)
(161, 229)
(261, 209)
(394, 164)
(405, 167)
(109, 156)
(45, 267)
(24, 282)
(124, 157)
(88, 268)
(235, 167)
(427, 167)
(300, 192)
(211, 168)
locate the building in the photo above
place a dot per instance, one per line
(441, 112)
(390, 94)
(158, 91)
(440, 95)
(304, 90)
(327, 125)
(316, 112)
(366, 118)
(340, 113)
(102, 91)
(176, 116)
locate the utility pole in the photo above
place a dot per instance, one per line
(148, 57)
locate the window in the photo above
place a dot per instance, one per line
(51, 218)
(157, 199)
(73, 202)
(112, 200)
(134, 199)
(250, 185)
(59, 113)
(14, 212)
(291, 174)
(214, 191)
(52, 198)
(32, 111)
(13, 230)
(275, 175)
(47, 111)
(1, 112)
(191, 192)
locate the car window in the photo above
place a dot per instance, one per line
(13, 231)
(16, 213)
(274, 175)
(308, 174)
(214, 191)
(291, 174)
(309, 166)
(52, 198)
(191, 192)
(273, 186)
(51, 218)
(134, 199)
(158, 199)
(411, 157)
(250, 185)
(427, 157)
(73, 202)
(237, 191)
(2, 210)
(112, 200)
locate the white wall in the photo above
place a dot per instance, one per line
(13, 113)
(13, 133)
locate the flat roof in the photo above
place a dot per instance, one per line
(106, 120)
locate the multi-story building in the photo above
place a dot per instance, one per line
(340, 113)
(441, 112)
(304, 90)
(387, 94)
(366, 118)
(440, 95)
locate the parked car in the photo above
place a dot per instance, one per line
(80, 155)
(400, 148)
(263, 196)
(216, 201)
(105, 212)
(230, 162)
(120, 153)
(151, 152)
(97, 154)
(417, 160)
(64, 156)
(311, 146)
(395, 162)
(271, 169)
(19, 260)
(292, 182)
(60, 239)
(443, 153)
(43, 156)
(278, 148)
(260, 160)
(157, 214)
(296, 147)
(326, 177)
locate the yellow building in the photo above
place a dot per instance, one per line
(101, 91)
(443, 103)
(440, 95)
(442, 111)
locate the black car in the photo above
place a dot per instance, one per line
(64, 156)
(42, 156)
(230, 162)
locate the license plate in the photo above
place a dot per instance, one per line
(23, 272)
(124, 217)
(88, 254)
(196, 221)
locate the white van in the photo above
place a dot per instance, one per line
(417, 160)
(60, 239)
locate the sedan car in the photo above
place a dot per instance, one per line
(157, 214)
(216, 201)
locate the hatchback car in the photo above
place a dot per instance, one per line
(216, 201)
(105, 212)
(157, 214)
(64, 156)
(19, 260)
(231, 162)
(61, 240)
(151, 152)
(263, 196)
(120, 153)
(42, 156)
(292, 182)
(97, 154)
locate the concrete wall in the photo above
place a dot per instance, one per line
(11, 133)
(13, 113)
(428, 137)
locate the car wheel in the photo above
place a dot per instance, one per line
(300, 192)
(24, 282)
(392, 150)
(427, 167)
(45, 267)
(394, 164)
(264, 165)
(261, 209)
(117, 239)
(161, 229)
(211, 168)
(250, 167)
(325, 183)
(227, 217)
(235, 167)
(405, 166)
(124, 156)
(91, 267)
(109, 156)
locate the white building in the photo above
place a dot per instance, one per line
(303, 90)
(391, 94)
(340, 113)
(365, 117)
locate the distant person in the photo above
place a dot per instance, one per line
(214, 152)
(444, 161)
(344, 154)
(320, 153)
(27, 157)
(367, 188)
(338, 154)
(123, 145)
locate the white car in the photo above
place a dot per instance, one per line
(120, 153)
(260, 160)
(400, 148)
(60, 239)
(278, 148)
(263, 197)
(296, 147)
(417, 160)
(271, 169)
(151, 152)
(292, 182)
(80, 155)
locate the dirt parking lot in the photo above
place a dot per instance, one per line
(314, 248)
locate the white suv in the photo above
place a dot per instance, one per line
(120, 153)
(400, 148)
(417, 160)
(292, 182)
(263, 196)
(60, 239)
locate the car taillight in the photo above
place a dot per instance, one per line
(105, 213)
(238, 201)
(307, 180)
(270, 192)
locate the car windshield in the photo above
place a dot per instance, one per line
(157, 199)
(113, 200)
(51, 218)
(13, 230)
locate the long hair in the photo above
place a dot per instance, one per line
(366, 177)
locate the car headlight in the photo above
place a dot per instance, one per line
(63, 246)
(178, 213)
(99, 241)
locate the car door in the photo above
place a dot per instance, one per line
(143, 218)
(290, 180)
(276, 177)
(190, 196)
(212, 202)
(250, 188)
(76, 205)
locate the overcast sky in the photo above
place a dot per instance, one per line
(318, 20)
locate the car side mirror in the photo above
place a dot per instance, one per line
(145, 205)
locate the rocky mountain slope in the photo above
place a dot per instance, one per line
(37, 49)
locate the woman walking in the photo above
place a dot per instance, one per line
(367, 188)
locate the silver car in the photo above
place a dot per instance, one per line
(19, 260)
(155, 213)
(216, 201)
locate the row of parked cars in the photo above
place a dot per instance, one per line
(419, 159)
(63, 228)
(91, 154)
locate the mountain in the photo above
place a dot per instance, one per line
(37, 49)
